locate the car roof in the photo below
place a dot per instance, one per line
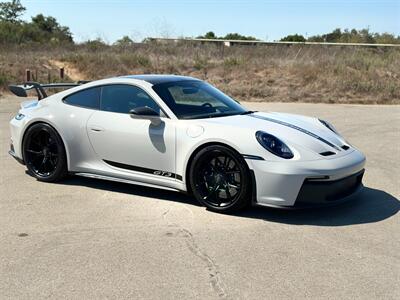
(157, 78)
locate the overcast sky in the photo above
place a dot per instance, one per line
(266, 20)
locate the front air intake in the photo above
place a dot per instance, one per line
(327, 153)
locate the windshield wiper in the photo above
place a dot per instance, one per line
(222, 115)
(248, 112)
(217, 115)
(231, 114)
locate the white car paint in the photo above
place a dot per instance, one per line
(91, 136)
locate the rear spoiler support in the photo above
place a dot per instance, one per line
(20, 90)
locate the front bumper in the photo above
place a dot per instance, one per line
(16, 130)
(12, 153)
(326, 193)
(291, 184)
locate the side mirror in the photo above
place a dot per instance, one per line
(146, 113)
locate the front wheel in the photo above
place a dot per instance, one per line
(44, 153)
(220, 179)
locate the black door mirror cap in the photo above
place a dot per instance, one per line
(146, 113)
(143, 111)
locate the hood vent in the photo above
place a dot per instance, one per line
(327, 153)
(345, 147)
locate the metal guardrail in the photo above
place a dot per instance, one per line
(229, 43)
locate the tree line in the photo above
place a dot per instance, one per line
(336, 36)
(347, 36)
(41, 29)
(46, 30)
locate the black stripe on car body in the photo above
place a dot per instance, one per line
(297, 128)
(143, 170)
(254, 157)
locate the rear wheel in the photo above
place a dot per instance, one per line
(220, 179)
(44, 153)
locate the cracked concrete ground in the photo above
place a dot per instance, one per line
(85, 238)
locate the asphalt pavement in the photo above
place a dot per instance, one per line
(84, 238)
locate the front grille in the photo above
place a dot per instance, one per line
(320, 192)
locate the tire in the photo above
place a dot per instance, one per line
(44, 153)
(220, 179)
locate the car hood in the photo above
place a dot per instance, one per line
(295, 130)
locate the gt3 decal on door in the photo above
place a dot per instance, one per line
(144, 170)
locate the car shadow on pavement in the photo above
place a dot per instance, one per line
(369, 206)
(131, 189)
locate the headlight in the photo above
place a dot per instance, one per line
(19, 117)
(274, 145)
(329, 126)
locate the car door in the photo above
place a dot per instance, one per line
(140, 147)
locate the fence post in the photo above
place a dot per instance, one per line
(28, 75)
(62, 73)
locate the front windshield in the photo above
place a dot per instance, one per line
(196, 99)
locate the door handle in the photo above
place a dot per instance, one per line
(96, 128)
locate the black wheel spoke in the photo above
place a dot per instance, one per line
(43, 162)
(40, 153)
(212, 167)
(228, 193)
(233, 172)
(205, 181)
(236, 187)
(220, 163)
(51, 163)
(212, 191)
(227, 161)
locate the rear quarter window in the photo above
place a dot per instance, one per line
(89, 98)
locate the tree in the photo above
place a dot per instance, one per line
(356, 36)
(366, 36)
(334, 36)
(229, 36)
(209, 35)
(237, 36)
(293, 38)
(386, 38)
(11, 11)
(125, 41)
(50, 25)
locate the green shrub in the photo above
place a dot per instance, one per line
(293, 38)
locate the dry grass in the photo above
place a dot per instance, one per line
(248, 73)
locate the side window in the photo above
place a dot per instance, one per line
(89, 98)
(122, 98)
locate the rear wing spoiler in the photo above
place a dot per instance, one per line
(20, 90)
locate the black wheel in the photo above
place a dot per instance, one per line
(44, 153)
(220, 179)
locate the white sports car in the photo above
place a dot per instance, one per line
(180, 133)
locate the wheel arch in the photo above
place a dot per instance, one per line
(52, 126)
